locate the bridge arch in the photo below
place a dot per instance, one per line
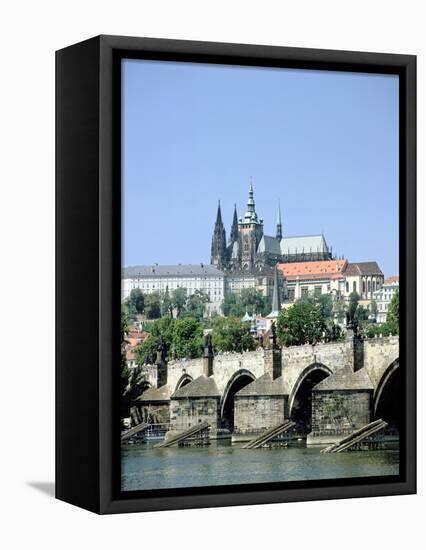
(237, 382)
(183, 381)
(388, 395)
(300, 398)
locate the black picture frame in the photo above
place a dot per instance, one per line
(88, 271)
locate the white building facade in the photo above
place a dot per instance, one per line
(158, 278)
(383, 297)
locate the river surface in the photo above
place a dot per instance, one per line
(223, 463)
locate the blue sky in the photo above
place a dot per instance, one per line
(324, 144)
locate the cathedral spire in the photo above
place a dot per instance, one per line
(218, 250)
(234, 229)
(250, 215)
(279, 225)
(219, 214)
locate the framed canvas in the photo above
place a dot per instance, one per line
(236, 279)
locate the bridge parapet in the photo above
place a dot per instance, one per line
(377, 355)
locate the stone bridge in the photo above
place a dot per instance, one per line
(246, 392)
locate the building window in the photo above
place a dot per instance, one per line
(304, 292)
(291, 294)
(354, 286)
(347, 287)
(317, 291)
(363, 287)
(369, 286)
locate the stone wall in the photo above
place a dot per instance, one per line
(253, 414)
(188, 412)
(340, 412)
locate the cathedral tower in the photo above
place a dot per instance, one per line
(250, 232)
(218, 251)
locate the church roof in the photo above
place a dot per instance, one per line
(346, 379)
(264, 385)
(363, 268)
(200, 387)
(305, 243)
(181, 270)
(247, 317)
(269, 245)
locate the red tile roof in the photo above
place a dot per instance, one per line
(326, 269)
(391, 280)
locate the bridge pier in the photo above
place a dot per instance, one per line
(196, 403)
(259, 406)
(341, 403)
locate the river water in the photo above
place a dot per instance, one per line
(223, 463)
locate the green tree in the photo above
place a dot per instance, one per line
(179, 298)
(129, 309)
(304, 323)
(231, 334)
(152, 306)
(361, 314)
(325, 305)
(392, 321)
(393, 313)
(146, 351)
(231, 306)
(166, 304)
(249, 300)
(353, 304)
(136, 300)
(187, 337)
(339, 309)
(252, 301)
(196, 305)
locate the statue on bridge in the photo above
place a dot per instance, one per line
(208, 345)
(351, 323)
(161, 350)
(273, 336)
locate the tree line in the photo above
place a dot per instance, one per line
(168, 304)
(179, 303)
(314, 319)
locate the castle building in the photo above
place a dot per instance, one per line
(249, 250)
(249, 257)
